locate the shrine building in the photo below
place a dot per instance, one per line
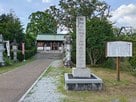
(50, 42)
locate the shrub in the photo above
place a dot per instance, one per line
(7, 60)
(132, 61)
(28, 54)
(109, 63)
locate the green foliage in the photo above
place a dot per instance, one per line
(133, 61)
(7, 60)
(10, 27)
(69, 9)
(73, 53)
(30, 41)
(20, 57)
(28, 54)
(109, 63)
(41, 22)
(99, 31)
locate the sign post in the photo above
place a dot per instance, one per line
(118, 68)
(119, 49)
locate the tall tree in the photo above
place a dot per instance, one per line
(10, 27)
(69, 9)
(98, 33)
(99, 30)
(41, 22)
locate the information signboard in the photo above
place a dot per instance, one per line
(119, 49)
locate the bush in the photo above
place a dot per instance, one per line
(109, 63)
(7, 60)
(73, 58)
(28, 54)
(132, 61)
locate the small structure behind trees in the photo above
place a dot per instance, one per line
(50, 42)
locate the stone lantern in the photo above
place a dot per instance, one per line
(2, 63)
(67, 59)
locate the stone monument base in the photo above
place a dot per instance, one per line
(81, 72)
(83, 83)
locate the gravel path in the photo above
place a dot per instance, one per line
(46, 88)
(15, 83)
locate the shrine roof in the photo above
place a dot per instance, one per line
(50, 37)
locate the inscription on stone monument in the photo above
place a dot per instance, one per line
(80, 42)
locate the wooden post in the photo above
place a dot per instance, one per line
(118, 68)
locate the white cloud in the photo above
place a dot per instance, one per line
(46, 1)
(3, 10)
(125, 15)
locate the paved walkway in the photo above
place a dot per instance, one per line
(15, 83)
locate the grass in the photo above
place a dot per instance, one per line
(14, 66)
(113, 91)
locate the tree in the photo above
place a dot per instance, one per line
(10, 27)
(131, 37)
(69, 9)
(98, 33)
(41, 22)
(29, 41)
(99, 30)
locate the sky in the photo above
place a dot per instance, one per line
(123, 11)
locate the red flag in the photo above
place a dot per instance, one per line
(23, 48)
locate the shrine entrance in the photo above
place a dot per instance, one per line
(50, 43)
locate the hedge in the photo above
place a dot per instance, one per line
(28, 54)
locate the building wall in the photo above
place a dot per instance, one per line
(50, 45)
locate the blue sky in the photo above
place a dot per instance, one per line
(23, 8)
(123, 11)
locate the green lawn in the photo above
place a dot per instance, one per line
(14, 66)
(113, 91)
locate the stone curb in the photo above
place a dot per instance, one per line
(22, 98)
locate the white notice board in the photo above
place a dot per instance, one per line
(119, 49)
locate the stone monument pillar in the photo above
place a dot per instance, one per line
(2, 63)
(81, 70)
(81, 78)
